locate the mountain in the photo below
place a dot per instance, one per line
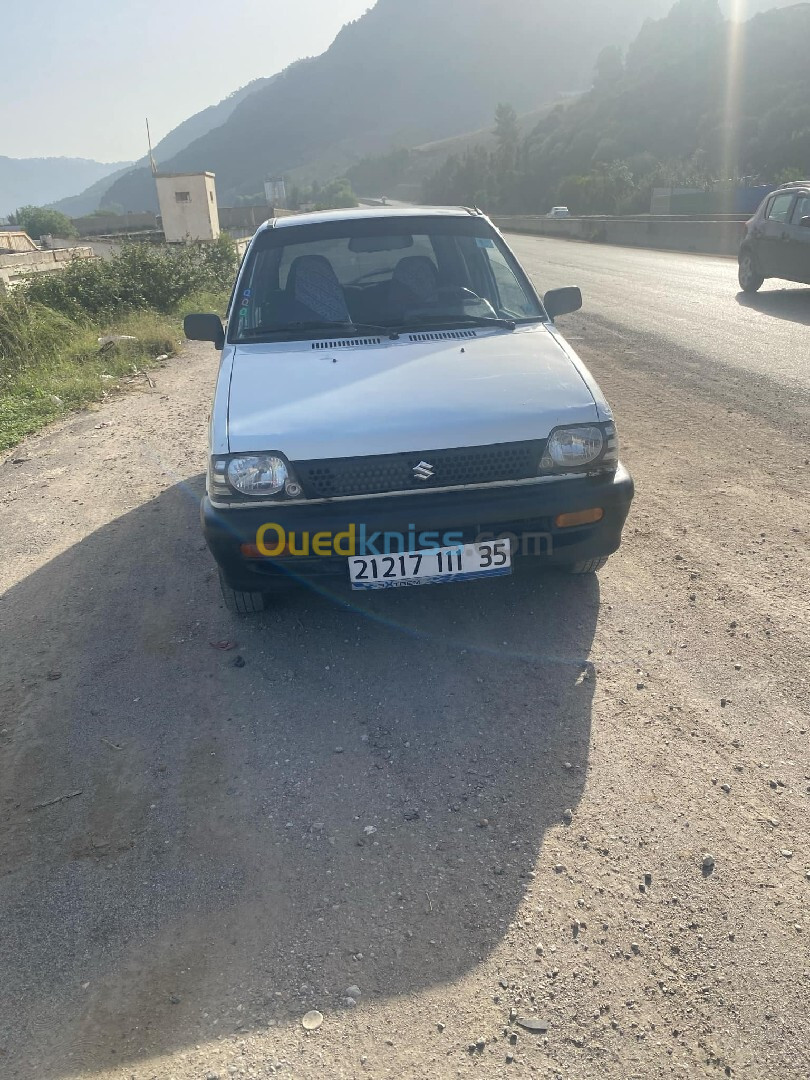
(37, 181)
(696, 99)
(402, 74)
(98, 194)
(90, 199)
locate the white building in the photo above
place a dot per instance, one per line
(188, 206)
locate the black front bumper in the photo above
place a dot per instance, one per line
(526, 513)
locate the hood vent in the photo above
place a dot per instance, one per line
(346, 343)
(442, 335)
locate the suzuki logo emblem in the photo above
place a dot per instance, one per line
(423, 471)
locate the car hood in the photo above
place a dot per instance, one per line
(315, 399)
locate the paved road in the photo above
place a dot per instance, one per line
(689, 302)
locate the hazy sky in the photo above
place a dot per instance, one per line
(91, 70)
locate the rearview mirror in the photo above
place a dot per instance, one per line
(562, 302)
(204, 328)
(369, 244)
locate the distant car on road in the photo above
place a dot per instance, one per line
(395, 406)
(559, 211)
(777, 239)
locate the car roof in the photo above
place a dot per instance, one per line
(366, 213)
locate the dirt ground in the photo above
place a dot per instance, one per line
(427, 814)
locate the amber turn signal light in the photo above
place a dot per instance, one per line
(579, 517)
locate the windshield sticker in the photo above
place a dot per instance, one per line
(484, 242)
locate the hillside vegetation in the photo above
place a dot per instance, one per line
(656, 116)
(402, 172)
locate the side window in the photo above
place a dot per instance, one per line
(802, 210)
(256, 303)
(779, 210)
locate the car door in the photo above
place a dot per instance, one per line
(799, 242)
(773, 249)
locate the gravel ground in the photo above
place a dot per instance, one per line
(427, 815)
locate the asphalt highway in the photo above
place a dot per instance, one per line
(687, 306)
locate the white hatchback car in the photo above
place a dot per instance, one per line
(559, 211)
(395, 406)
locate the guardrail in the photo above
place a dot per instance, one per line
(706, 237)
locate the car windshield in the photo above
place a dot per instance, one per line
(379, 275)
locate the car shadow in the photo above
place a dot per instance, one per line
(212, 825)
(792, 304)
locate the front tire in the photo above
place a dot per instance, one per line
(242, 603)
(589, 566)
(750, 276)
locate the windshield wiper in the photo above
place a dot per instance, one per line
(451, 321)
(311, 326)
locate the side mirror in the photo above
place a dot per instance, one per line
(562, 302)
(204, 328)
(805, 223)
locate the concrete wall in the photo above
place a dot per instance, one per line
(188, 206)
(105, 224)
(232, 218)
(237, 220)
(241, 221)
(101, 248)
(705, 237)
(15, 268)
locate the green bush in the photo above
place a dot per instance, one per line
(141, 277)
(50, 357)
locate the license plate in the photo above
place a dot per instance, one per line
(436, 566)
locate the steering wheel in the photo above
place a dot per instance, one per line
(370, 274)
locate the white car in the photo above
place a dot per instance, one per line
(559, 211)
(395, 406)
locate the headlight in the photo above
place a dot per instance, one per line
(252, 476)
(580, 446)
(258, 474)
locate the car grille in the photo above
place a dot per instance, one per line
(339, 477)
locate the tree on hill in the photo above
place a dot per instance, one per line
(506, 130)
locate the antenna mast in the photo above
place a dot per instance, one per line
(152, 164)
